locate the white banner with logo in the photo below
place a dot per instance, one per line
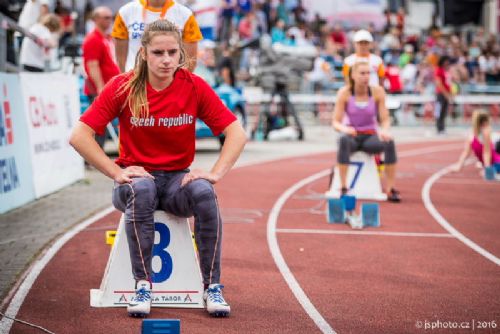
(52, 108)
(16, 183)
(353, 12)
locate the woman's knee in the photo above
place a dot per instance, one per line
(143, 193)
(344, 150)
(345, 142)
(201, 190)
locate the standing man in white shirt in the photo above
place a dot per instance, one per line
(135, 15)
(363, 40)
(32, 11)
(34, 53)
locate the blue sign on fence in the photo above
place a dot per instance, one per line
(16, 183)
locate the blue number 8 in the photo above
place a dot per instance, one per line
(159, 249)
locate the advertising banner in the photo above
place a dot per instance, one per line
(356, 13)
(52, 108)
(16, 183)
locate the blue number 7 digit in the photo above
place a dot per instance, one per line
(358, 166)
(159, 249)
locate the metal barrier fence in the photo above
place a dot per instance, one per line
(7, 24)
(405, 109)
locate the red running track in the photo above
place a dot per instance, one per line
(357, 283)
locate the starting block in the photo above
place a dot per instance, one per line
(362, 178)
(176, 275)
(343, 210)
(337, 208)
(370, 214)
(489, 173)
(161, 326)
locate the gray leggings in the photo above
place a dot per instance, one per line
(139, 200)
(367, 143)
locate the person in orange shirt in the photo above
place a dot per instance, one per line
(132, 18)
(362, 44)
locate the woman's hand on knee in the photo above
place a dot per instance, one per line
(349, 130)
(384, 135)
(130, 172)
(199, 174)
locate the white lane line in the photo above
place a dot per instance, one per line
(426, 198)
(425, 150)
(22, 292)
(473, 182)
(376, 233)
(274, 248)
(272, 242)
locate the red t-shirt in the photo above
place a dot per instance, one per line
(338, 37)
(444, 77)
(98, 47)
(393, 76)
(165, 140)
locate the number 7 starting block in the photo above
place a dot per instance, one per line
(176, 275)
(362, 179)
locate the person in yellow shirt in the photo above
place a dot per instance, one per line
(363, 40)
(132, 18)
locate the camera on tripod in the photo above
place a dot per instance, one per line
(280, 70)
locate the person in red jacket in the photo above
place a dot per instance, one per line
(443, 92)
(393, 76)
(98, 59)
(157, 104)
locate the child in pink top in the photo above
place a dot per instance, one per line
(480, 142)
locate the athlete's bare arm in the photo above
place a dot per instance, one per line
(191, 53)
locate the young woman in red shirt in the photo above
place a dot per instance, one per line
(157, 104)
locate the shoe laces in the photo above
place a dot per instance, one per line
(215, 294)
(142, 295)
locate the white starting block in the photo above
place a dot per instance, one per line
(176, 275)
(362, 179)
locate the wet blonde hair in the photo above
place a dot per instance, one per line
(136, 86)
(479, 118)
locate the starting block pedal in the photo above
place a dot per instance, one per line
(370, 214)
(110, 237)
(161, 326)
(336, 211)
(337, 208)
(489, 173)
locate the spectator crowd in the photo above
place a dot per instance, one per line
(409, 58)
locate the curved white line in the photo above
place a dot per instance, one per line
(426, 198)
(272, 241)
(22, 292)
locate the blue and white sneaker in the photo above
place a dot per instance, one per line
(216, 305)
(140, 305)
